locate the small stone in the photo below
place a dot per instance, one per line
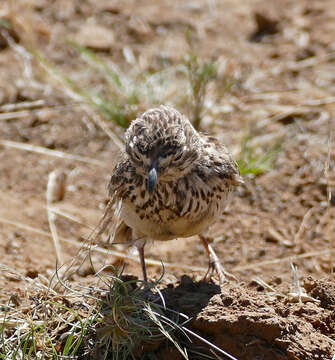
(95, 37)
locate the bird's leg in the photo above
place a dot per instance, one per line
(214, 263)
(148, 294)
(140, 248)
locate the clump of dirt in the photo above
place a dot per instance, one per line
(322, 290)
(251, 324)
(243, 320)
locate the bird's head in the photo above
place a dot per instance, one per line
(162, 145)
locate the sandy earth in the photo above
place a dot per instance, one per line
(283, 75)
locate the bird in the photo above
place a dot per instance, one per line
(171, 181)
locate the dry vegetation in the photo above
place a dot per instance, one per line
(260, 76)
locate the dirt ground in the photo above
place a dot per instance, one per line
(281, 58)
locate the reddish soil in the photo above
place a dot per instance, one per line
(251, 324)
(280, 56)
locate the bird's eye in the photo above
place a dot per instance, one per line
(137, 156)
(178, 157)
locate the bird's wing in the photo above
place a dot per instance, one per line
(111, 222)
(223, 163)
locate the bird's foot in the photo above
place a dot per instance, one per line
(214, 264)
(224, 275)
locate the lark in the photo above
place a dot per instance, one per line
(170, 182)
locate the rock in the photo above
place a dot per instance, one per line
(265, 25)
(95, 37)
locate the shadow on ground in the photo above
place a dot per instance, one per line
(250, 323)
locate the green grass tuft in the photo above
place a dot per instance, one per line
(130, 320)
(199, 75)
(121, 95)
(255, 160)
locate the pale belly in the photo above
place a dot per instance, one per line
(164, 230)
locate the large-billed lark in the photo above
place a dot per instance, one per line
(171, 182)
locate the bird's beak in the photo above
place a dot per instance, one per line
(152, 177)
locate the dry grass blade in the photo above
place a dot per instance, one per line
(77, 94)
(22, 105)
(312, 61)
(319, 102)
(6, 269)
(70, 217)
(166, 264)
(53, 153)
(283, 112)
(303, 226)
(36, 284)
(98, 249)
(52, 183)
(296, 283)
(155, 318)
(15, 115)
(209, 343)
(284, 259)
(262, 283)
(99, 121)
(329, 196)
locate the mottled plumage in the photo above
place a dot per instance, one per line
(172, 181)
